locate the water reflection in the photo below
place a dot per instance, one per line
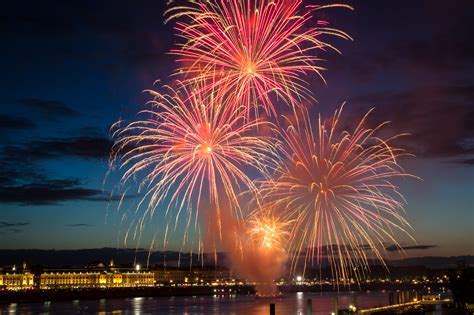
(137, 305)
(296, 303)
(299, 302)
(12, 308)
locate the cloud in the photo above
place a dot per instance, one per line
(435, 50)
(330, 249)
(18, 162)
(130, 29)
(49, 109)
(465, 161)
(439, 119)
(12, 172)
(79, 225)
(85, 147)
(4, 224)
(24, 182)
(32, 187)
(46, 192)
(394, 248)
(52, 192)
(110, 198)
(447, 50)
(18, 24)
(10, 122)
(3, 232)
(11, 227)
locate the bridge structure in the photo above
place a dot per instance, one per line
(402, 306)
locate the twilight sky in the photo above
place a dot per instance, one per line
(72, 68)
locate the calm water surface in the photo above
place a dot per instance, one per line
(292, 303)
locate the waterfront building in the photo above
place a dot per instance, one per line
(62, 280)
(112, 278)
(16, 281)
(13, 279)
(95, 276)
(138, 279)
(431, 297)
(95, 279)
(193, 277)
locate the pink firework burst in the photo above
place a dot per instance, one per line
(189, 147)
(250, 50)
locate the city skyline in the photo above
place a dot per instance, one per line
(74, 70)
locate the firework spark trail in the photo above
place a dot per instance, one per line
(189, 148)
(336, 187)
(255, 48)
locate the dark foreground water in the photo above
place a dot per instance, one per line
(292, 303)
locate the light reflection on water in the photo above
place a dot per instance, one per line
(292, 303)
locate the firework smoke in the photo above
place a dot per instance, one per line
(255, 247)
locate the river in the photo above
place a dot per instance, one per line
(291, 303)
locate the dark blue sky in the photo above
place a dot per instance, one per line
(72, 68)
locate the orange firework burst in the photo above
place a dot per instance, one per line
(268, 231)
(189, 147)
(336, 187)
(253, 48)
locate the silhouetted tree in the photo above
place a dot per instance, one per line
(462, 285)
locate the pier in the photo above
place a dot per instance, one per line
(400, 302)
(401, 306)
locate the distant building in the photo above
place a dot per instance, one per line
(59, 280)
(99, 275)
(431, 297)
(16, 281)
(13, 279)
(194, 276)
(95, 279)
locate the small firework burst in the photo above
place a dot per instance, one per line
(268, 231)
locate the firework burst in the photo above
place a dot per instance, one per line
(331, 194)
(267, 231)
(255, 48)
(189, 148)
(337, 188)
